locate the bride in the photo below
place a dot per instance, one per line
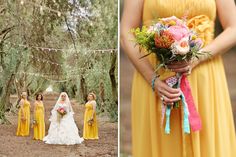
(62, 129)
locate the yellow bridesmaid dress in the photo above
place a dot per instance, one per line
(24, 125)
(90, 131)
(209, 89)
(39, 127)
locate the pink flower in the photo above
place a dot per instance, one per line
(178, 32)
(173, 18)
(181, 47)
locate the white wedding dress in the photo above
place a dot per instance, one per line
(63, 131)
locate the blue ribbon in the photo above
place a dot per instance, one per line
(167, 128)
(186, 125)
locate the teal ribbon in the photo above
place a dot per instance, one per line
(186, 125)
(168, 111)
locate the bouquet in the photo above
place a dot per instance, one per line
(170, 40)
(90, 122)
(61, 112)
(34, 123)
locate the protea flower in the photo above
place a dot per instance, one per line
(164, 40)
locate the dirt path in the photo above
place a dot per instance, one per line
(13, 146)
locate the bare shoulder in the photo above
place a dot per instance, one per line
(93, 102)
(36, 103)
(22, 101)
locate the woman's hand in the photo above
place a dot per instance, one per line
(184, 67)
(167, 94)
(23, 118)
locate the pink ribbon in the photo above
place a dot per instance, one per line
(194, 118)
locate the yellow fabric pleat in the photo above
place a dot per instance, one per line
(209, 89)
(39, 127)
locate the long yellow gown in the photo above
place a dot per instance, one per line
(209, 89)
(39, 127)
(90, 131)
(24, 125)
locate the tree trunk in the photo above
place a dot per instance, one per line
(5, 99)
(113, 78)
(102, 96)
(83, 88)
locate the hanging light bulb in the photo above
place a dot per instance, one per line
(41, 10)
(22, 2)
(59, 13)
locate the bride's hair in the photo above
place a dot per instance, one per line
(93, 94)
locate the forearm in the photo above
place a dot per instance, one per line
(93, 114)
(143, 66)
(222, 43)
(34, 113)
(22, 112)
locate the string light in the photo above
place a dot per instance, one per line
(59, 13)
(47, 76)
(45, 61)
(41, 9)
(50, 49)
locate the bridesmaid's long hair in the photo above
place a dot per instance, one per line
(37, 96)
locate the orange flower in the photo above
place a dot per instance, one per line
(164, 40)
(184, 44)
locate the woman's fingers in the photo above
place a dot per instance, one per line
(185, 69)
(168, 95)
(167, 100)
(178, 64)
(164, 87)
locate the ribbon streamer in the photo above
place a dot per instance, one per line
(194, 118)
(167, 128)
(171, 82)
(190, 114)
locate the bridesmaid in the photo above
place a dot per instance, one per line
(39, 124)
(23, 116)
(206, 76)
(90, 121)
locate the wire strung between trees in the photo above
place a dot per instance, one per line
(71, 75)
(45, 61)
(50, 49)
(61, 65)
(41, 7)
